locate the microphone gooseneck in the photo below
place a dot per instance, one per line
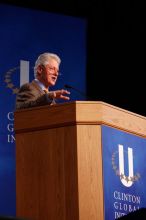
(81, 93)
(68, 86)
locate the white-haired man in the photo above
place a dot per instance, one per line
(36, 93)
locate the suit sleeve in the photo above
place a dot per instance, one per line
(28, 97)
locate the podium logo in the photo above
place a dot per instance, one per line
(126, 180)
(12, 80)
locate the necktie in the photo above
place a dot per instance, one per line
(46, 91)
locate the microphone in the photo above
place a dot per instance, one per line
(80, 92)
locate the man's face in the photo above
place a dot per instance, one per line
(48, 74)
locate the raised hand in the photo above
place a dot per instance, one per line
(60, 94)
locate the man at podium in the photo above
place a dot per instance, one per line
(36, 93)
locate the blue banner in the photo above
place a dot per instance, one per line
(25, 34)
(123, 172)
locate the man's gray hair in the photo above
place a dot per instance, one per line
(43, 59)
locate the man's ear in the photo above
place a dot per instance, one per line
(39, 69)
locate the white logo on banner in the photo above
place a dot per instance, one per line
(24, 72)
(120, 168)
(126, 180)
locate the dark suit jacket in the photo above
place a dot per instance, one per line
(31, 95)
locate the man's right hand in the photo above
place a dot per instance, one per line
(60, 94)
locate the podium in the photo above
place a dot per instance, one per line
(60, 160)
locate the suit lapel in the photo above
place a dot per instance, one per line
(35, 84)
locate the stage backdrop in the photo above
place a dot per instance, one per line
(25, 33)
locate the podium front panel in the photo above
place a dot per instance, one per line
(124, 169)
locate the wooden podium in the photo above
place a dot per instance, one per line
(59, 173)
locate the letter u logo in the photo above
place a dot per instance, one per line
(126, 180)
(24, 72)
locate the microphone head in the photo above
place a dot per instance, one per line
(67, 86)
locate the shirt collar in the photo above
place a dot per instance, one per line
(40, 84)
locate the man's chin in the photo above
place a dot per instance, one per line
(52, 84)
